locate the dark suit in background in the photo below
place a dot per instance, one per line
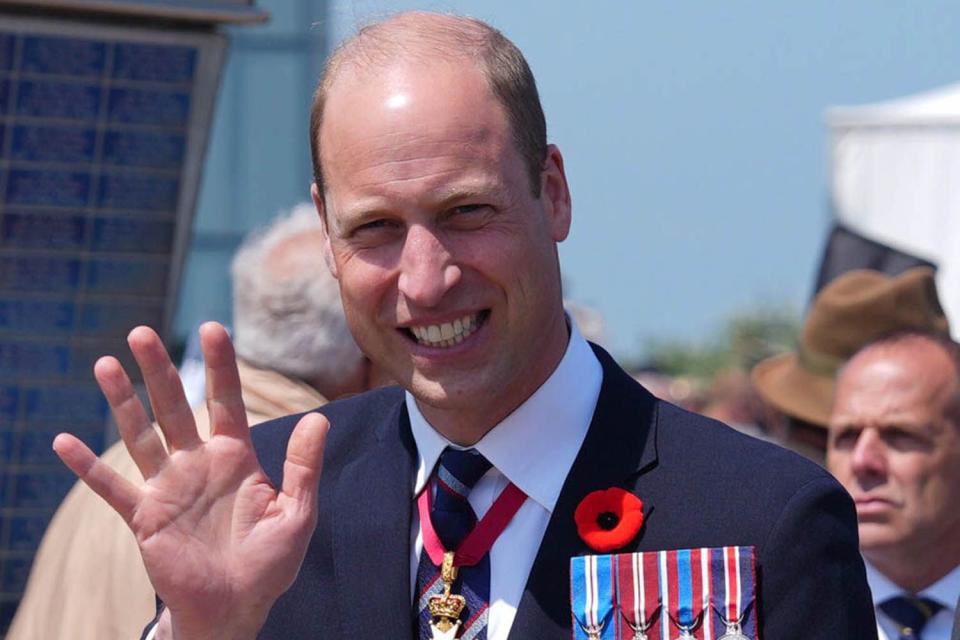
(703, 485)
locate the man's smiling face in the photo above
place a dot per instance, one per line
(447, 260)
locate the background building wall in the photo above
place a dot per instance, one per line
(258, 162)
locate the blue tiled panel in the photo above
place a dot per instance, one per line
(16, 569)
(34, 490)
(154, 62)
(8, 440)
(117, 317)
(127, 276)
(149, 106)
(36, 444)
(48, 187)
(138, 191)
(37, 316)
(56, 99)
(7, 609)
(6, 51)
(53, 143)
(58, 407)
(4, 95)
(83, 357)
(75, 57)
(9, 404)
(25, 530)
(36, 230)
(39, 273)
(132, 235)
(144, 149)
(34, 360)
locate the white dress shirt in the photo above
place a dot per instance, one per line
(946, 590)
(534, 448)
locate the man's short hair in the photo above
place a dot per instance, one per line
(431, 37)
(290, 320)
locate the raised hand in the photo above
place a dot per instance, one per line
(219, 542)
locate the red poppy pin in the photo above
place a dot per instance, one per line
(609, 518)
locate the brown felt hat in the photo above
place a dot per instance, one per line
(851, 311)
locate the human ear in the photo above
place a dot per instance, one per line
(321, 207)
(555, 193)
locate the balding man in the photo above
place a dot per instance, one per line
(894, 443)
(452, 507)
(295, 351)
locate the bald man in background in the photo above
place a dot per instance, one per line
(894, 443)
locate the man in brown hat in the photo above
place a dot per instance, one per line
(854, 309)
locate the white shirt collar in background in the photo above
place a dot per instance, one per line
(946, 590)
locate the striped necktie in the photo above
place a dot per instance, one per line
(910, 614)
(453, 518)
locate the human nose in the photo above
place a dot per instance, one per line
(427, 270)
(867, 460)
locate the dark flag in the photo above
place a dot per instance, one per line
(846, 250)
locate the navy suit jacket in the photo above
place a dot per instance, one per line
(702, 483)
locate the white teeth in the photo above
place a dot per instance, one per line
(446, 334)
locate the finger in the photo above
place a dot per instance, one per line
(228, 416)
(105, 482)
(169, 403)
(138, 434)
(301, 471)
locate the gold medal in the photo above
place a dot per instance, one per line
(447, 607)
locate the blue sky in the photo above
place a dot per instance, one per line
(694, 138)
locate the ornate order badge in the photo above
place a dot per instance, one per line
(446, 608)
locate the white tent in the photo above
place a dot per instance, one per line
(896, 179)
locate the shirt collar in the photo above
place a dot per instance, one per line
(535, 446)
(944, 590)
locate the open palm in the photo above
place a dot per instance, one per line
(219, 542)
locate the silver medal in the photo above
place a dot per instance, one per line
(593, 631)
(733, 631)
(640, 629)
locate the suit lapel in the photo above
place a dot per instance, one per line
(620, 445)
(371, 533)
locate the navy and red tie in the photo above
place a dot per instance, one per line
(911, 614)
(453, 518)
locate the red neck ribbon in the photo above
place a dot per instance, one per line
(478, 542)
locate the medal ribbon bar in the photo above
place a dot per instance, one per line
(705, 594)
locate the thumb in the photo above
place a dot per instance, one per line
(301, 470)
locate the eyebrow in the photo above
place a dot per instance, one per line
(359, 212)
